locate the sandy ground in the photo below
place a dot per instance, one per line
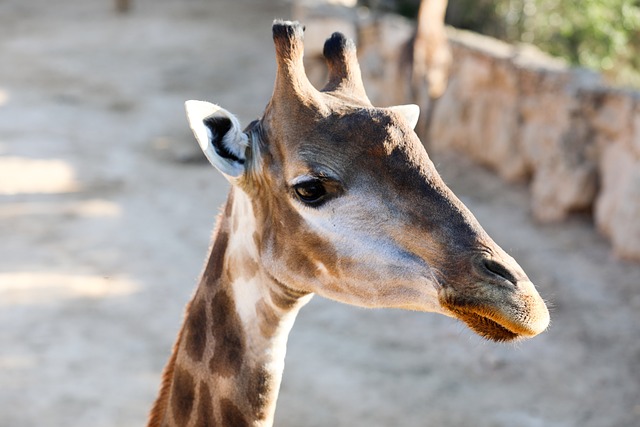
(106, 209)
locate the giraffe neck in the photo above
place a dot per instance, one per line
(227, 363)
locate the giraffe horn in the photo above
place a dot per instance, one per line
(344, 70)
(291, 79)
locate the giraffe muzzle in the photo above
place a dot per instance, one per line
(498, 302)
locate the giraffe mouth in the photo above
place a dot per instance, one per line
(485, 321)
(498, 313)
(486, 327)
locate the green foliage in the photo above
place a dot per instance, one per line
(599, 34)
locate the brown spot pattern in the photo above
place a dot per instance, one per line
(206, 417)
(158, 414)
(269, 319)
(229, 336)
(256, 239)
(259, 390)
(196, 334)
(242, 266)
(231, 415)
(182, 396)
(228, 208)
(215, 264)
(250, 267)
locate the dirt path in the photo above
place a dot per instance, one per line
(105, 215)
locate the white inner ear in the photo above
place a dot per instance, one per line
(234, 140)
(411, 112)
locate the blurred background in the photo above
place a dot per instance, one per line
(603, 35)
(107, 205)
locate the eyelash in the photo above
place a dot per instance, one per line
(315, 191)
(311, 193)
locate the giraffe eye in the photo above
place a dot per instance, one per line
(311, 192)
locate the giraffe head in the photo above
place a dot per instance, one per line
(348, 205)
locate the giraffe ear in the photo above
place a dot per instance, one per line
(220, 137)
(411, 112)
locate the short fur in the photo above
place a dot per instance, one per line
(387, 233)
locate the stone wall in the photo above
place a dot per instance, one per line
(522, 113)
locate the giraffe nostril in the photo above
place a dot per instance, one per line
(497, 269)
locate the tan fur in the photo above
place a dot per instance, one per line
(386, 232)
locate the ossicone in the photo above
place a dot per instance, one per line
(292, 87)
(344, 70)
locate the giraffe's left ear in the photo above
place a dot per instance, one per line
(220, 137)
(411, 112)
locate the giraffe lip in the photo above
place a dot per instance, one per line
(485, 322)
(498, 313)
(487, 327)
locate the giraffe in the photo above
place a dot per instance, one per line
(331, 196)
